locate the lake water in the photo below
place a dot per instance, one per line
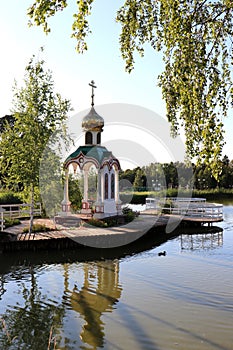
(140, 301)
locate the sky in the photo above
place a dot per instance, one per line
(71, 71)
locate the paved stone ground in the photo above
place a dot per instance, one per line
(25, 223)
(91, 235)
(96, 236)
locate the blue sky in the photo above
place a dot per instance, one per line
(73, 72)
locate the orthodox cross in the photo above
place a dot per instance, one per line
(92, 84)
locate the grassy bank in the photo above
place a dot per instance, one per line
(215, 195)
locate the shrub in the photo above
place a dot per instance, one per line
(11, 222)
(97, 223)
(9, 198)
(38, 228)
(129, 214)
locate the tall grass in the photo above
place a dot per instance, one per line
(211, 194)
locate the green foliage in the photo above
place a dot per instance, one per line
(216, 194)
(51, 181)
(10, 198)
(181, 175)
(41, 11)
(34, 317)
(75, 195)
(6, 120)
(140, 180)
(167, 207)
(125, 197)
(196, 83)
(11, 222)
(136, 198)
(38, 113)
(97, 222)
(195, 40)
(129, 214)
(128, 174)
(38, 228)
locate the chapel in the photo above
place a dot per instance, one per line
(93, 153)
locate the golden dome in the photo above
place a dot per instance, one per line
(92, 121)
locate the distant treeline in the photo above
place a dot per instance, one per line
(157, 176)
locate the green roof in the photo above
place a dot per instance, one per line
(93, 151)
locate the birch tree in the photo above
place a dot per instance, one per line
(38, 112)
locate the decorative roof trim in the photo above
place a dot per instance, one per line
(112, 162)
(81, 160)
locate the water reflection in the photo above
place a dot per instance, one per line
(98, 294)
(179, 301)
(33, 321)
(203, 241)
(27, 321)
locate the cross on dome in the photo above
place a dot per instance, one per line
(92, 84)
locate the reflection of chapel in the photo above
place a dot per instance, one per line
(107, 167)
(98, 295)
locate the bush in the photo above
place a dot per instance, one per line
(9, 198)
(38, 228)
(214, 194)
(129, 214)
(11, 222)
(135, 198)
(210, 194)
(97, 223)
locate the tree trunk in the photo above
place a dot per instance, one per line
(31, 210)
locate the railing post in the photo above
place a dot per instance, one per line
(2, 218)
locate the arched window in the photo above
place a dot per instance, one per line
(88, 138)
(112, 186)
(98, 138)
(106, 187)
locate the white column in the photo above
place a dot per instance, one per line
(85, 204)
(117, 194)
(85, 195)
(117, 198)
(99, 187)
(109, 185)
(99, 205)
(102, 185)
(66, 203)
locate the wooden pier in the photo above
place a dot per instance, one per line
(84, 234)
(73, 230)
(192, 210)
(87, 234)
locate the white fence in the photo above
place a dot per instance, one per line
(199, 210)
(189, 207)
(13, 211)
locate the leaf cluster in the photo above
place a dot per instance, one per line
(40, 12)
(195, 38)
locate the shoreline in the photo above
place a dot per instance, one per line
(144, 227)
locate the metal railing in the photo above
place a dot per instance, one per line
(205, 210)
(19, 210)
(14, 211)
(2, 221)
